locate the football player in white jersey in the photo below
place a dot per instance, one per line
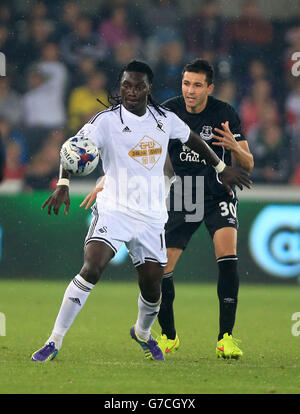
(132, 137)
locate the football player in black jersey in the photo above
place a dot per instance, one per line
(219, 125)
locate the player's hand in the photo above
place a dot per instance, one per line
(225, 138)
(91, 197)
(234, 176)
(59, 197)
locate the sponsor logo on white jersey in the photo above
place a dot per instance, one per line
(147, 152)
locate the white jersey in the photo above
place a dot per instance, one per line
(133, 151)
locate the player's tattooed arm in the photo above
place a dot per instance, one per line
(60, 195)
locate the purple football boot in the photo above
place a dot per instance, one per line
(150, 347)
(47, 353)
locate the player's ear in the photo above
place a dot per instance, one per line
(211, 88)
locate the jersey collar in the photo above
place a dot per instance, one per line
(133, 116)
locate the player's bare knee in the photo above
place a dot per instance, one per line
(225, 252)
(169, 268)
(173, 256)
(92, 271)
(151, 295)
(150, 286)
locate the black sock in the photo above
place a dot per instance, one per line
(228, 286)
(166, 313)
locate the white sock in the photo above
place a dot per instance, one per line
(146, 317)
(74, 299)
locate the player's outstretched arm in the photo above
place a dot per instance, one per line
(228, 175)
(60, 196)
(234, 176)
(91, 197)
(240, 149)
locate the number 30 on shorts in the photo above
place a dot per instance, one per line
(227, 208)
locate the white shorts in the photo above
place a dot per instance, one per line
(144, 241)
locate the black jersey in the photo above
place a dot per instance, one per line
(187, 162)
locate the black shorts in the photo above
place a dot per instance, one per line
(217, 214)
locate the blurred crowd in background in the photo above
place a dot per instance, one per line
(60, 58)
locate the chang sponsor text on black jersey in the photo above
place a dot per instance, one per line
(187, 162)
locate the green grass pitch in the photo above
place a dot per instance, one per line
(99, 357)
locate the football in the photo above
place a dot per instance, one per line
(79, 156)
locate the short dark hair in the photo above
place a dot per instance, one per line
(200, 66)
(138, 66)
